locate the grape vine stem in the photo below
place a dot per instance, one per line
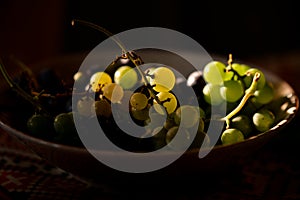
(248, 93)
(19, 90)
(136, 61)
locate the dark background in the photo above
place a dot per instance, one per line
(35, 30)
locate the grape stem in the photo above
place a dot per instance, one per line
(101, 29)
(229, 60)
(144, 79)
(18, 89)
(136, 61)
(25, 68)
(248, 93)
(230, 69)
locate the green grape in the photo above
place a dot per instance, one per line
(212, 94)
(141, 115)
(215, 73)
(250, 74)
(232, 91)
(113, 92)
(202, 113)
(168, 101)
(159, 137)
(156, 119)
(138, 101)
(231, 136)
(179, 142)
(84, 106)
(98, 80)
(163, 78)
(64, 125)
(124, 103)
(126, 77)
(201, 125)
(80, 79)
(102, 108)
(264, 95)
(169, 123)
(200, 140)
(241, 69)
(242, 123)
(187, 116)
(263, 120)
(40, 125)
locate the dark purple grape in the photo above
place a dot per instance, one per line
(197, 82)
(121, 61)
(50, 81)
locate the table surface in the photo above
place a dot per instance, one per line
(273, 172)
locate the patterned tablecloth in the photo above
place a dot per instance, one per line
(271, 173)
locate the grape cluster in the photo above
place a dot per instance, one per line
(148, 97)
(245, 92)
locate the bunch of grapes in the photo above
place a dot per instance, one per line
(245, 92)
(148, 97)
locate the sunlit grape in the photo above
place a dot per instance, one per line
(232, 91)
(168, 100)
(126, 77)
(241, 69)
(231, 136)
(98, 80)
(215, 73)
(163, 78)
(113, 92)
(187, 116)
(212, 94)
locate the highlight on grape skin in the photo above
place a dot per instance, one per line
(126, 77)
(163, 79)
